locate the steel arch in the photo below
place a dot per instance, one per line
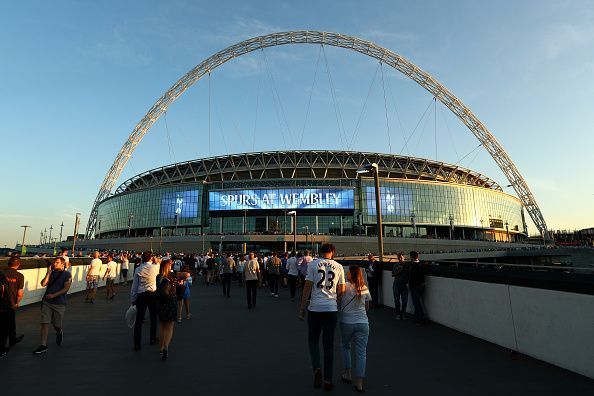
(364, 47)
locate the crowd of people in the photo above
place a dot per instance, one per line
(161, 284)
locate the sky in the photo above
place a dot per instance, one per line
(77, 76)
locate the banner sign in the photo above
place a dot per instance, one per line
(282, 198)
(395, 201)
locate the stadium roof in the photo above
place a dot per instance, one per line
(302, 164)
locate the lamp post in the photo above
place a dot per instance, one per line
(294, 214)
(507, 230)
(40, 238)
(413, 221)
(76, 223)
(61, 228)
(23, 248)
(306, 236)
(130, 217)
(161, 240)
(45, 236)
(50, 235)
(451, 219)
(221, 246)
(378, 208)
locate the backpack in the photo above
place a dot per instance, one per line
(5, 302)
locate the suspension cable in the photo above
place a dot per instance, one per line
(356, 130)
(209, 140)
(310, 95)
(435, 123)
(171, 152)
(386, 109)
(449, 131)
(418, 123)
(280, 103)
(334, 101)
(472, 151)
(257, 107)
(397, 113)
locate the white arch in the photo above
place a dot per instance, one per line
(336, 40)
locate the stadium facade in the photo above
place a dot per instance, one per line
(258, 195)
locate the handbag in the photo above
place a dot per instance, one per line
(130, 316)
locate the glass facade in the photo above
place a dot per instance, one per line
(408, 207)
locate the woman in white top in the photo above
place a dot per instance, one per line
(354, 326)
(251, 274)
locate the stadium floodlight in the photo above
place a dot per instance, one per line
(294, 214)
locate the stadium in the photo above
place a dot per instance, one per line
(259, 200)
(278, 199)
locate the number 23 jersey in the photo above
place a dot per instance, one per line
(326, 275)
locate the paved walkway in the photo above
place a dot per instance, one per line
(227, 350)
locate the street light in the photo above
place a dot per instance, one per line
(76, 223)
(221, 246)
(61, 227)
(161, 240)
(130, 217)
(451, 219)
(50, 235)
(294, 214)
(306, 236)
(23, 248)
(507, 229)
(380, 237)
(413, 222)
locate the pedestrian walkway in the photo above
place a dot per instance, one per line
(225, 349)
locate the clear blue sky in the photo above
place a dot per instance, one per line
(76, 77)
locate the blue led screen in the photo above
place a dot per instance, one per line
(183, 204)
(395, 201)
(282, 198)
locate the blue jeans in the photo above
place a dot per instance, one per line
(400, 293)
(357, 334)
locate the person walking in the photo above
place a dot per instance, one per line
(124, 268)
(374, 274)
(11, 296)
(93, 277)
(210, 268)
(274, 272)
(417, 287)
(110, 276)
(144, 295)
(57, 282)
(184, 281)
(228, 267)
(251, 274)
(167, 306)
(292, 274)
(324, 285)
(401, 274)
(240, 267)
(354, 326)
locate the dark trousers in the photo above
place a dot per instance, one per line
(292, 284)
(240, 279)
(227, 284)
(4, 330)
(11, 326)
(273, 283)
(400, 293)
(373, 284)
(417, 298)
(251, 288)
(322, 323)
(143, 301)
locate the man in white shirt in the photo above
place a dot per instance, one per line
(93, 277)
(324, 285)
(144, 295)
(292, 274)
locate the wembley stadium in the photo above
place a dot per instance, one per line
(261, 200)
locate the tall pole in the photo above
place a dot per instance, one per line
(76, 223)
(45, 237)
(130, 217)
(161, 240)
(23, 248)
(50, 236)
(61, 227)
(378, 206)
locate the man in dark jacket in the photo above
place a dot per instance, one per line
(417, 286)
(374, 274)
(16, 282)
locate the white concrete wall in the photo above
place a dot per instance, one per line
(34, 292)
(553, 326)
